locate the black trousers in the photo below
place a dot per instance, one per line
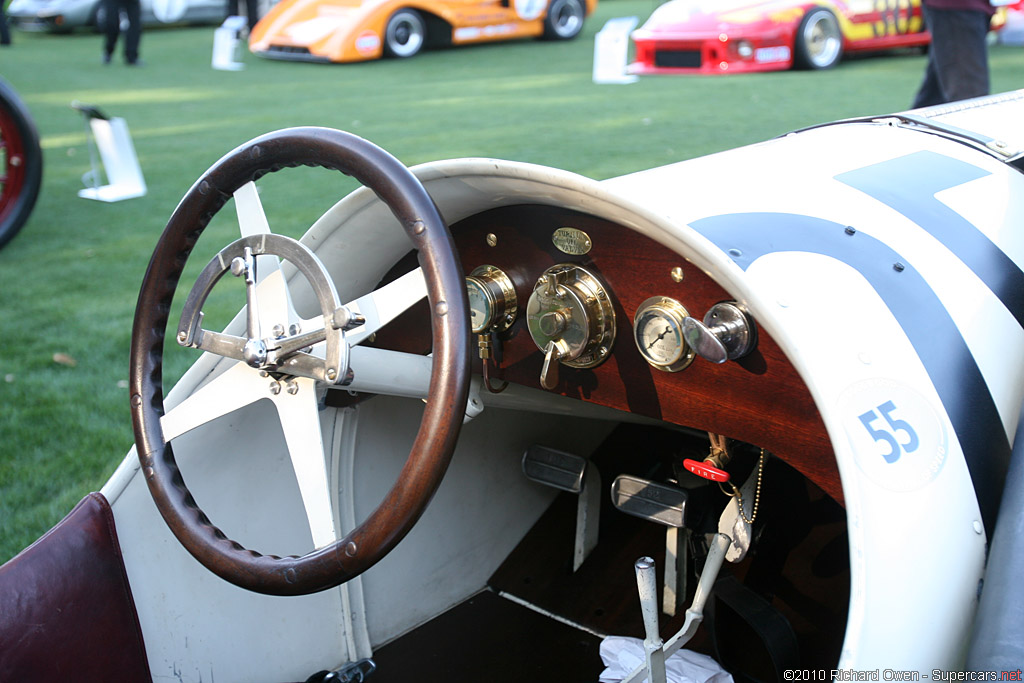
(957, 59)
(251, 10)
(5, 33)
(132, 10)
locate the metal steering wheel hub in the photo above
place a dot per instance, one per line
(266, 349)
(307, 358)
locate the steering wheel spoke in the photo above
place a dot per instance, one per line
(232, 390)
(297, 407)
(252, 220)
(300, 421)
(383, 305)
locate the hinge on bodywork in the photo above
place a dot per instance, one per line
(928, 121)
(997, 147)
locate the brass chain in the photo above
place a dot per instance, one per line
(757, 492)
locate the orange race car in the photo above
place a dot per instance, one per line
(359, 30)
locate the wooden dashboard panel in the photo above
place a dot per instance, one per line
(759, 399)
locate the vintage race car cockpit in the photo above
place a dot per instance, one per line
(484, 414)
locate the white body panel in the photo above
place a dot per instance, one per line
(917, 533)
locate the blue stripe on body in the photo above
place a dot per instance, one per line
(909, 184)
(929, 327)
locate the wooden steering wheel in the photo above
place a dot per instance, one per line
(293, 359)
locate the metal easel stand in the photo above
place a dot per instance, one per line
(655, 649)
(110, 151)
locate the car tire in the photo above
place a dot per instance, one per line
(405, 34)
(21, 164)
(564, 19)
(819, 41)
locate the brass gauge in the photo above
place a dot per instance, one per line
(658, 333)
(492, 299)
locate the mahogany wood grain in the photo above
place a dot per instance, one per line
(760, 399)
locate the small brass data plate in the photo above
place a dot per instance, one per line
(572, 241)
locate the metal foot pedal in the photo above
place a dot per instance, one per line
(568, 472)
(665, 505)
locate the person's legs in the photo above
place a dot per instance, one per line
(134, 35)
(111, 27)
(5, 33)
(930, 92)
(252, 12)
(959, 52)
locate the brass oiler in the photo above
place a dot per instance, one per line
(571, 319)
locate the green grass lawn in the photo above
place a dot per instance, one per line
(68, 282)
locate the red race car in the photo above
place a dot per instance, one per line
(729, 36)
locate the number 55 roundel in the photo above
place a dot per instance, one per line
(898, 440)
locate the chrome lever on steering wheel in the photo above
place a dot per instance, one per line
(274, 354)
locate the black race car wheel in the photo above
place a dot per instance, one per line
(405, 34)
(819, 41)
(564, 19)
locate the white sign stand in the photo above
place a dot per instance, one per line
(611, 51)
(111, 139)
(225, 44)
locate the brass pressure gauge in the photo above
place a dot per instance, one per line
(492, 299)
(658, 333)
(571, 319)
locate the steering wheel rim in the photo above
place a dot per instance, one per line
(434, 444)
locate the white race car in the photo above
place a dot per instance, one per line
(60, 16)
(481, 406)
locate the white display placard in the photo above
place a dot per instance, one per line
(611, 51)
